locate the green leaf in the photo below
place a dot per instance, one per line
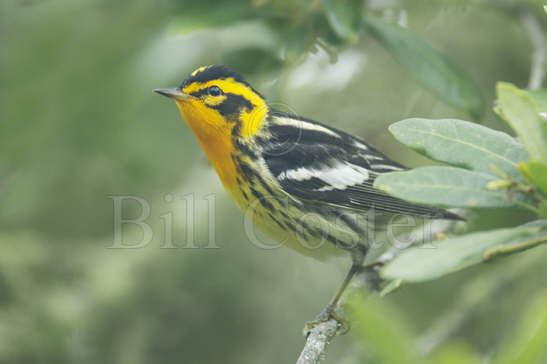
(539, 97)
(443, 186)
(382, 331)
(527, 345)
(456, 253)
(344, 17)
(435, 71)
(536, 172)
(522, 112)
(462, 143)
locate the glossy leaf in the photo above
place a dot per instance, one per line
(522, 112)
(443, 186)
(434, 70)
(456, 253)
(462, 143)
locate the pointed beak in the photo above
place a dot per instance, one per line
(173, 93)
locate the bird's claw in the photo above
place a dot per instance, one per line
(327, 315)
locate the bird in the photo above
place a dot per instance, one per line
(302, 182)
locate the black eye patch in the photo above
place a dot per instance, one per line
(214, 91)
(233, 105)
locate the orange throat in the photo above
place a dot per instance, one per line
(214, 136)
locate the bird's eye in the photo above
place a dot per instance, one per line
(215, 91)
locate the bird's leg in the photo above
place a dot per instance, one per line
(355, 267)
(330, 311)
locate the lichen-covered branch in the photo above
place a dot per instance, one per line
(316, 342)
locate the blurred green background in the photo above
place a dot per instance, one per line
(79, 124)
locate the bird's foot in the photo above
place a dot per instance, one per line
(328, 314)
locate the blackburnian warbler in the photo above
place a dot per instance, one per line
(308, 185)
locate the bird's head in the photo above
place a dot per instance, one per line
(215, 101)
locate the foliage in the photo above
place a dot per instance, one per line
(522, 111)
(493, 170)
(434, 70)
(455, 253)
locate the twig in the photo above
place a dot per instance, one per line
(429, 233)
(539, 56)
(320, 336)
(316, 343)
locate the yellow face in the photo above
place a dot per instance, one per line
(218, 103)
(219, 106)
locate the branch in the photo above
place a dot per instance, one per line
(539, 56)
(429, 232)
(316, 342)
(320, 336)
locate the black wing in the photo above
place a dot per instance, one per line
(312, 161)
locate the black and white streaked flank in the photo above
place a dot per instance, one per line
(315, 162)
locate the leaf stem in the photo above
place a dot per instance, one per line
(513, 248)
